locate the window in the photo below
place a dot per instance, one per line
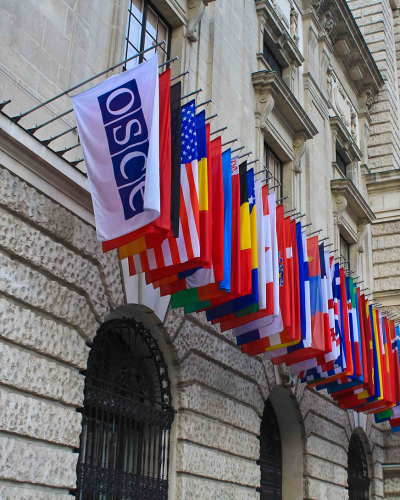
(271, 60)
(345, 253)
(358, 479)
(145, 28)
(341, 162)
(270, 455)
(127, 417)
(274, 166)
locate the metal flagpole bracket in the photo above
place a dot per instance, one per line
(46, 142)
(288, 211)
(182, 74)
(323, 239)
(333, 251)
(192, 93)
(176, 58)
(246, 154)
(17, 118)
(300, 216)
(203, 103)
(213, 116)
(63, 151)
(4, 103)
(255, 161)
(238, 149)
(219, 130)
(229, 142)
(314, 232)
(37, 127)
(306, 225)
(281, 199)
(327, 246)
(75, 163)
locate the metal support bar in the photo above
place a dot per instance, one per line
(182, 74)
(168, 62)
(211, 117)
(192, 93)
(274, 186)
(246, 154)
(229, 142)
(75, 163)
(309, 224)
(254, 161)
(323, 239)
(4, 103)
(330, 244)
(314, 232)
(46, 142)
(203, 103)
(63, 151)
(219, 130)
(288, 211)
(37, 127)
(238, 149)
(333, 251)
(281, 199)
(18, 117)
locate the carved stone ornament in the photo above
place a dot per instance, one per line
(341, 205)
(267, 103)
(294, 24)
(330, 81)
(367, 101)
(316, 5)
(353, 124)
(299, 148)
(196, 12)
(288, 379)
(361, 234)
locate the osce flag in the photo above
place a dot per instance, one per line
(119, 132)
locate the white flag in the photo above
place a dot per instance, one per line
(118, 124)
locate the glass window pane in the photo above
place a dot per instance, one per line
(135, 30)
(162, 32)
(134, 62)
(137, 8)
(151, 24)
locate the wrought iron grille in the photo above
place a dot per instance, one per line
(127, 417)
(270, 455)
(358, 479)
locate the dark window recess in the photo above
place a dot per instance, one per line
(270, 455)
(345, 253)
(145, 28)
(358, 479)
(127, 417)
(271, 60)
(341, 162)
(275, 168)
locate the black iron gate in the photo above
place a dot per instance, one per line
(127, 417)
(358, 480)
(270, 455)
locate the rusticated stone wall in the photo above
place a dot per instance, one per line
(56, 287)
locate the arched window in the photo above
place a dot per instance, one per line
(270, 455)
(127, 417)
(358, 479)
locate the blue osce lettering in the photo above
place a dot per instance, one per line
(128, 143)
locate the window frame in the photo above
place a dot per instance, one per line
(271, 182)
(268, 55)
(143, 24)
(344, 244)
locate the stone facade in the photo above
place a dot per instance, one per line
(338, 95)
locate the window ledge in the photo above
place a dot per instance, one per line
(345, 139)
(292, 112)
(355, 202)
(277, 34)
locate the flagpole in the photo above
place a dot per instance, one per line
(192, 93)
(18, 117)
(202, 103)
(254, 161)
(229, 142)
(182, 74)
(219, 130)
(213, 116)
(238, 149)
(246, 154)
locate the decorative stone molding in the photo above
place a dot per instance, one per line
(347, 196)
(361, 234)
(274, 33)
(196, 12)
(341, 205)
(266, 104)
(271, 86)
(294, 24)
(288, 379)
(342, 136)
(299, 148)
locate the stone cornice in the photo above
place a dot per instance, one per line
(295, 116)
(354, 200)
(345, 139)
(318, 97)
(345, 38)
(287, 51)
(386, 181)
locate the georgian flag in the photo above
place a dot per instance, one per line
(119, 132)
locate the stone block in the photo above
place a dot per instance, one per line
(55, 43)
(18, 238)
(43, 335)
(37, 375)
(195, 369)
(317, 403)
(217, 435)
(317, 425)
(198, 488)
(12, 492)
(321, 490)
(28, 462)
(38, 58)
(199, 461)
(392, 486)
(37, 290)
(39, 419)
(325, 470)
(218, 407)
(17, 196)
(327, 450)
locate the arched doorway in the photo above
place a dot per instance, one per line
(270, 455)
(127, 417)
(358, 480)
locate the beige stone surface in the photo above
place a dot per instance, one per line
(204, 462)
(39, 419)
(13, 492)
(35, 374)
(216, 435)
(318, 490)
(42, 334)
(198, 488)
(28, 462)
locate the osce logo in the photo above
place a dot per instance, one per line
(128, 143)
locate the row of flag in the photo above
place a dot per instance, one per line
(208, 232)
